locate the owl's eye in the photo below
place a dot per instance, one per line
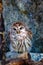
(14, 28)
(21, 28)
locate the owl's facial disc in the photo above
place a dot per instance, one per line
(20, 32)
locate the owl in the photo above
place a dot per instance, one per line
(20, 37)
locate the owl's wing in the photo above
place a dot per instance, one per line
(30, 34)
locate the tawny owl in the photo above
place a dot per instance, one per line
(20, 37)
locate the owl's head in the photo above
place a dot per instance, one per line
(20, 30)
(18, 27)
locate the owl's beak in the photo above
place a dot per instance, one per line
(18, 32)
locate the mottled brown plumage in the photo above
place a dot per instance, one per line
(20, 37)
